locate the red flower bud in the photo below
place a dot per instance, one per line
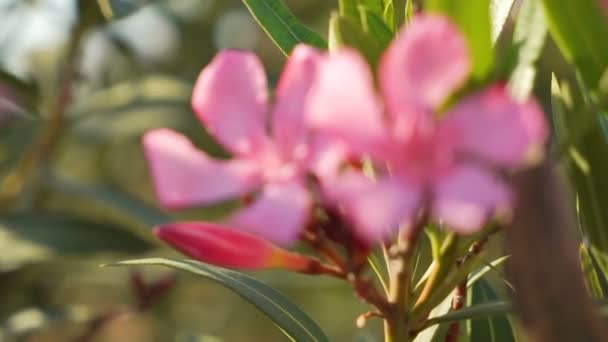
(222, 246)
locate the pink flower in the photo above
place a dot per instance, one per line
(423, 157)
(231, 99)
(222, 246)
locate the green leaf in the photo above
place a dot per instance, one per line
(492, 329)
(487, 309)
(348, 8)
(580, 29)
(288, 317)
(346, 31)
(282, 26)
(374, 6)
(477, 275)
(528, 42)
(582, 135)
(473, 18)
(112, 198)
(594, 277)
(432, 331)
(375, 25)
(36, 237)
(499, 12)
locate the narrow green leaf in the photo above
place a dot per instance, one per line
(528, 42)
(375, 6)
(477, 275)
(289, 318)
(375, 25)
(111, 198)
(594, 278)
(581, 133)
(491, 308)
(473, 18)
(499, 12)
(30, 238)
(348, 8)
(492, 329)
(580, 29)
(346, 31)
(388, 15)
(282, 26)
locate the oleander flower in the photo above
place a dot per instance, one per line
(223, 246)
(444, 161)
(231, 100)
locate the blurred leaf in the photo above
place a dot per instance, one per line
(289, 318)
(346, 31)
(375, 25)
(348, 8)
(477, 275)
(389, 15)
(282, 26)
(36, 237)
(528, 42)
(113, 198)
(434, 332)
(473, 18)
(580, 29)
(118, 9)
(594, 278)
(374, 6)
(499, 12)
(495, 328)
(128, 109)
(489, 308)
(582, 135)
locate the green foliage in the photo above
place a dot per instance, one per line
(32, 238)
(347, 31)
(477, 30)
(527, 45)
(580, 29)
(288, 317)
(499, 12)
(282, 26)
(494, 328)
(582, 136)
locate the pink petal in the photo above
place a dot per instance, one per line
(426, 63)
(279, 214)
(494, 127)
(375, 208)
(343, 103)
(230, 98)
(288, 127)
(468, 197)
(185, 176)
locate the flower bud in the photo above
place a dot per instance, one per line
(223, 246)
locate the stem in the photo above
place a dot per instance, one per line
(325, 248)
(15, 182)
(442, 267)
(401, 257)
(460, 296)
(447, 284)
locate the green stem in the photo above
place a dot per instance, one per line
(401, 261)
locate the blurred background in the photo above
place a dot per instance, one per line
(88, 200)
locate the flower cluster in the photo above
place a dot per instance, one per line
(332, 142)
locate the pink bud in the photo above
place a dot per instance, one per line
(222, 246)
